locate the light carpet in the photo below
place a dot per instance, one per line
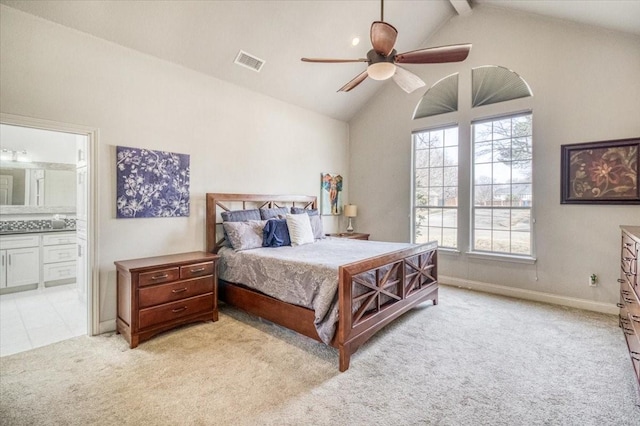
(475, 359)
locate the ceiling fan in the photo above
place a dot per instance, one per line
(383, 59)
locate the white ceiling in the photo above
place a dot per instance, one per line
(206, 36)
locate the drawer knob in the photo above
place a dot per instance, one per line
(184, 308)
(636, 318)
(160, 277)
(179, 290)
(620, 280)
(193, 271)
(626, 330)
(619, 305)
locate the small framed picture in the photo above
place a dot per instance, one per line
(600, 172)
(331, 194)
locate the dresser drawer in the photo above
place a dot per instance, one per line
(60, 253)
(159, 276)
(170, 311)
(196, 270)
(59, 271)
(156, 295)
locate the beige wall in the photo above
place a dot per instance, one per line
(239, 141)
(586, 88)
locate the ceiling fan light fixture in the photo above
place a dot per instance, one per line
(381, 70)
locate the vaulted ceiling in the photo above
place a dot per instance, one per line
(206, 36)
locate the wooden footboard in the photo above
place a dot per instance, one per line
(403, 279)
(372, 292)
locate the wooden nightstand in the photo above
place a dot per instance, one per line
(353, 235)
(156, 294)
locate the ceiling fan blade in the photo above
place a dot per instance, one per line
(383, 37)
(333, 61)
(435, 55)
(407, 80)
(353, 83)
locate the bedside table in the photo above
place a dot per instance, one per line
(352, 235)
(156, 294)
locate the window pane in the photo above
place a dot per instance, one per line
(482, 195)
(482, 219)
(450, 176)
(483, 153)
(520, 220)
(435, 176)
(422, 158)
(450, 218)
(436, 158)
(482, 132)
(451, 156)
(421, 178)
(451, 136)
(435, 217)
(501, 241)
(436, 197)
(501, 173)
(501, 195)
(522, 125)
(435, 139)
(449, 237)
(502, 129)
(521, 242)
(482, 173)
(450, 195)
(482, 240)
(521, 149)
(435, 234)
(521, 171)
(501, 220)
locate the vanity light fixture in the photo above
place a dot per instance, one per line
(13, 155)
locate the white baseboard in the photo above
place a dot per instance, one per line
(536, 296)
(107, 326)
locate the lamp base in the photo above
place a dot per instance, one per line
(350, 226)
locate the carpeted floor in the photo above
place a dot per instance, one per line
(475, 359)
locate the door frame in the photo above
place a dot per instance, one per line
(92, 134)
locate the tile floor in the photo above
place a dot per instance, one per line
(34, 318)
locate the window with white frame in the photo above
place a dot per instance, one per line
(435, 186)
(502, 185)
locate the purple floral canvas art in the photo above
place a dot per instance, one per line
(151, 183)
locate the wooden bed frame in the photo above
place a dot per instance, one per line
(410, 279)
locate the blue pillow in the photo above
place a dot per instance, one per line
(276, 233)
(274, 213)
(299, 210)
(240, 215)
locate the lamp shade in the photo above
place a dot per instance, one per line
(350, 210)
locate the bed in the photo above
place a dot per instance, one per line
(370, 291)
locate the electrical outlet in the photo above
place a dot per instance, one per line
(593, 280)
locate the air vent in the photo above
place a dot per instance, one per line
(249, 61)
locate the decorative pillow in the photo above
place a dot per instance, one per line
(316, 227)
(240, 215)
(274, 213)
(276, 233)
(315, 219)
(298, 210)
(299, 229)
(244, 235)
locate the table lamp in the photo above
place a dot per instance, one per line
(350, 211)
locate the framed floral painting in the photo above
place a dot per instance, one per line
(601, 172)
(151, 183)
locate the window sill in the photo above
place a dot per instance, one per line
(502, 257)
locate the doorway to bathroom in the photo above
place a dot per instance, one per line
(46, 233)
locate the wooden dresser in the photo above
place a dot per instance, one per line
(156, 294)
(630, 294)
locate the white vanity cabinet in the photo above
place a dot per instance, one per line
(59, 254)
(20, 260)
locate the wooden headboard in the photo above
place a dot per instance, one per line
(217, 203)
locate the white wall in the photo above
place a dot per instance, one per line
(239, 141)
(586, 88)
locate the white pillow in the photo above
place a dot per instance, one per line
(244, 235)
(299, 229)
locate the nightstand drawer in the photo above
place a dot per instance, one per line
(170, 311)
(159, 276)
(196, 270)
(164, 293)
